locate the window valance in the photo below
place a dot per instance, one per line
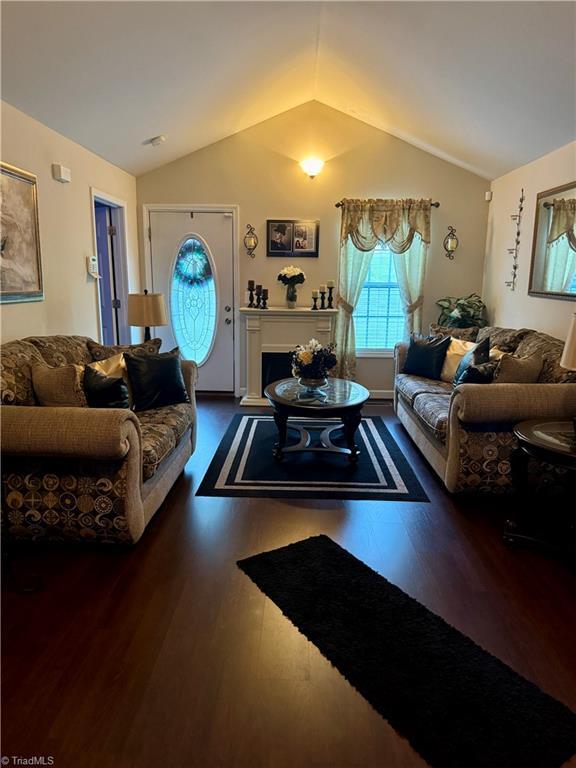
(563, 222)
(391, 222)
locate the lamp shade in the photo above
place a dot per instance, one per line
(568, 359)
(146, 309)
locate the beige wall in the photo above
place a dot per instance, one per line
(258, 169)
(66, 232)
(516, 309)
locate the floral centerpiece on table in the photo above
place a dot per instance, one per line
(290, 277)
(311, 362)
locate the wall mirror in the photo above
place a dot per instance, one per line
(553, 268)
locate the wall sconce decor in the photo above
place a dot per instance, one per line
(312, 166)
(250, 241)
(451, 242)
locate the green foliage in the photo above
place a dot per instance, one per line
(462, 313)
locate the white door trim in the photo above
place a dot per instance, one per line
(121, 206)
(148, 208)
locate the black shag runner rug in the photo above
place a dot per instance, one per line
(458, 706)
(244, 465)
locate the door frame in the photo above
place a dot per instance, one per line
(234, 210)
(118, 215)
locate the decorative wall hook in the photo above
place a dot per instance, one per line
(250, 241)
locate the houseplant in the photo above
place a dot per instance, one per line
(462, 313)
(290, 277)
(311, 363)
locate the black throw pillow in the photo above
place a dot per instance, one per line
(104, 391)
(426, 356)
(478, 355)
(156, 380)
(479, 374)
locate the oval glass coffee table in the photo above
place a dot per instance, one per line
(338, 398)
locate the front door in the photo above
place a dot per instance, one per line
(192, 255)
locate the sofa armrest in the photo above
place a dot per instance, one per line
(400, 352)
(190, 375)
(80, 433)
(480, 403)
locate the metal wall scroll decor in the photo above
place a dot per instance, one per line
(250, 241)
(517, 217)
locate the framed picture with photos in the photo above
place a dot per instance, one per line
(292, 237)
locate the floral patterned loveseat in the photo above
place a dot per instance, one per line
(465, 432)
(96, 474)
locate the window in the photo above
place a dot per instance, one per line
(193, 301)
(379, 317)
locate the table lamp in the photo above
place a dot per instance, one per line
(568, 359)
(146, 309)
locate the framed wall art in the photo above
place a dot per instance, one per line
(290, 237)
(20, 264)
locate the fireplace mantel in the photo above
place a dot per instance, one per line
(279, 329)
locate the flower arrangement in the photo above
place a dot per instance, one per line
(290, 277)
(462, 313)
(312, 360)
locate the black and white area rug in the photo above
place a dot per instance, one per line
(459, 706)
(244, 465)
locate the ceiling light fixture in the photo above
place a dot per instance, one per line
(312, 166)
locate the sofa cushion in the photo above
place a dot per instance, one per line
(16, 359)
(104, 351)
(433, 412)
(506, 339)
(162, 429)
(425, 357)
(467, 334)
(62, 350)
(518, 370)
(550, 350)
(59, 387)
(411, 386)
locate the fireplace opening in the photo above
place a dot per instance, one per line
(275, 365)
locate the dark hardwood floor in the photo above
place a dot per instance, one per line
(167, 655)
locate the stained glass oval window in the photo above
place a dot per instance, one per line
(193, 301)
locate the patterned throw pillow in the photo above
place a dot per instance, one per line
(466, 334)
(518, 370)
(59, 387)
(506, 339)
(103, 351)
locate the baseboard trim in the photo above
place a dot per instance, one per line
(381, 394)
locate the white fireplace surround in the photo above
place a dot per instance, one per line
(279, 329)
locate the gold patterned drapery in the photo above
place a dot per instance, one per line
(403, 226)
(391, 222)
(563, 222)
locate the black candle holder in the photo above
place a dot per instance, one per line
(322, 299)
(251, 297)
(264, 299)
(258, 296)
(330, 297)
(315, 299)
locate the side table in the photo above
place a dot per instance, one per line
(553, 442)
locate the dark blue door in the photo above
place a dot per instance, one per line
(105, 268)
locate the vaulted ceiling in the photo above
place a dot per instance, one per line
(488, 85)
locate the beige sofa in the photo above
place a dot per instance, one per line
(94, 474)
(465, 432)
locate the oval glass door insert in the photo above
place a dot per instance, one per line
(193, 301)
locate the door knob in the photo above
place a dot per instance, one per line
(227, 308)
(227, 321)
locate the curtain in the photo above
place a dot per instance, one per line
(404, 227)
(560, 257)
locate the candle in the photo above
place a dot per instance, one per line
(330, 283)
(258, 289)
(250, 285)
(264, 293)
(322, 289)
(314, 294)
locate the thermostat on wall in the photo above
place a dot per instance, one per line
(61, 173)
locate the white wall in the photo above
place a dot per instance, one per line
(516, 309)
(258, 169)
(66, 231)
